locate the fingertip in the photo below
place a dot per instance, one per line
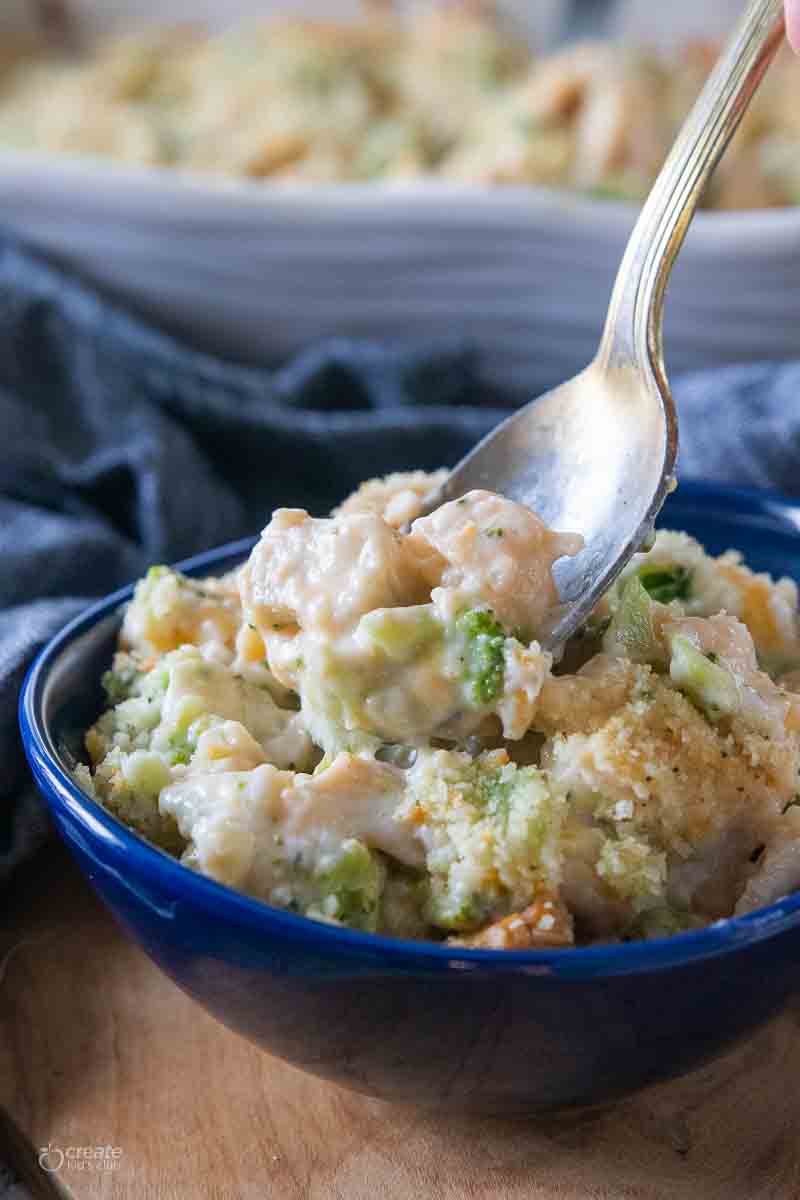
(793, 24)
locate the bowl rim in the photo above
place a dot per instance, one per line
(63, 795)
(415, 201)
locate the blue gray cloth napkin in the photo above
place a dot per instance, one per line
(121, 447)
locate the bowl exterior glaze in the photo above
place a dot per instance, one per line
(419, 1023)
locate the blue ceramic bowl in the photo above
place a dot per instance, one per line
(511, 1032)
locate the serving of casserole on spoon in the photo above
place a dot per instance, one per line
(596, 455)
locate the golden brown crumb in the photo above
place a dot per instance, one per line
(543, 925)
(682, 778)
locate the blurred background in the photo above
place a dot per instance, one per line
(543, 19)
(442, 169)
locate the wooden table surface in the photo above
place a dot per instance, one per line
(98, 1048)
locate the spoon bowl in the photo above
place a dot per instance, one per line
(596, 455)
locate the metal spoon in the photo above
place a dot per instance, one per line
(596, 455)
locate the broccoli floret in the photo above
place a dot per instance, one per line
(402, 634)
(180, 749)
(351, 887)
(709, 686)
(492, 830)
(118, 683)
(146, 773)
(631, 631)
(483, 654)
(128, 677)
(665, 584)
(455, 914)
(492, 790)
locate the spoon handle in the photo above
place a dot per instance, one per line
(633, 331)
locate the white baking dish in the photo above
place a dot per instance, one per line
(257, 271)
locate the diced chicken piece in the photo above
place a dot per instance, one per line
(353, 798)
(229, 819)
(711, 880)
(325, 574)
(585, 701)
(490, 550)
(728, 647)
(198, 687)
(397, 498)
(722, 636)
(255, 829)
(250, 654)
(777, 871)
(226, 746)
(769, 609)
(525, 670)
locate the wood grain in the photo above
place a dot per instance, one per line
(98, 1047)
